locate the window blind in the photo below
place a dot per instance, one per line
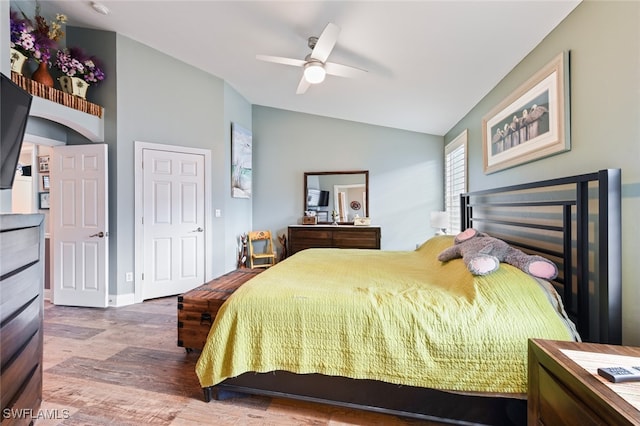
(455, 165)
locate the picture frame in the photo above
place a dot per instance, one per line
(323, 216)
(45, 182)
(531, 123)
(43, 164)
(241, 161)
(43, 198)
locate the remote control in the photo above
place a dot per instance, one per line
(620, 374)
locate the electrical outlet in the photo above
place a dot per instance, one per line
(218, 213)
(129, 277)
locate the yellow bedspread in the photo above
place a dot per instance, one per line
(398, 317)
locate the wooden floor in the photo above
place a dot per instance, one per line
(121, 366)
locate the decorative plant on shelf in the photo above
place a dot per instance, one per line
(22, 38)
(74, 62)
(79, 71)
(35, 39)
(47, 35)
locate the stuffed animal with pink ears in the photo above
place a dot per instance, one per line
(482, 254)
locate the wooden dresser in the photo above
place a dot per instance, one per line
(21, 316)
(341, 236)
(565, 389)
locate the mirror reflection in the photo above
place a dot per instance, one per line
(344, 194)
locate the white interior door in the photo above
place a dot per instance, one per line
(79, 225)
(173, 222)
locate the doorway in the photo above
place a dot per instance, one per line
(30, 185)
(173, 219)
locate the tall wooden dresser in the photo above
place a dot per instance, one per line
(21, 316)
(342, 236)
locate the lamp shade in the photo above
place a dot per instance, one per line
(314, 72)
(439, 220)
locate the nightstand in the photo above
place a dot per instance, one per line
(564, 388)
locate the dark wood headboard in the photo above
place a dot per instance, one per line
(574, 221)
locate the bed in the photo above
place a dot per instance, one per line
(401, 332)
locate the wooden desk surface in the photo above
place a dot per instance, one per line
(581, 361)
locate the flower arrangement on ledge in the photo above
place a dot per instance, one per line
(74, 62)
(35, 40)
(22, 38)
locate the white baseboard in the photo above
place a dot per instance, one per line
(116, 300)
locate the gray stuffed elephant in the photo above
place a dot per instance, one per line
(482, 254)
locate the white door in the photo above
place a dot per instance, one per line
(173, 222)
(79, 225)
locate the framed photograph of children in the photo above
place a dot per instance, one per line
(532, 122)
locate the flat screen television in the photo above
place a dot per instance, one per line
(15, 104)
(317, 198)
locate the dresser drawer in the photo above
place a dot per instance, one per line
(19, 370)
(311, 234)
(17, 331)
(329, 236)
(362, 239)
(22, 287)
(559, 406)
(27, 402)
(20, 247)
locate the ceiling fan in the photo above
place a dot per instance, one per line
(315, 64)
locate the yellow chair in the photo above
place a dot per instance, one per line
(261, 240)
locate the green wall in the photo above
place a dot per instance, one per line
(603, 39)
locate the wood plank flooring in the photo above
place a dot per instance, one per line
(121, 366)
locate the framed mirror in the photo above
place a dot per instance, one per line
(343, 192)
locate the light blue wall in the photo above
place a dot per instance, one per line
(163, 100)
(237, 215)
(604, 43)
(405, 171)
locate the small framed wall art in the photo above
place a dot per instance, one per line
(43, 164)
(43, 201)
(241, 161)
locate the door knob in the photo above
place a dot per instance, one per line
(99, 235)
(199, 229)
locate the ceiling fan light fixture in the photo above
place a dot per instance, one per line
(100, 8)
(314, 72)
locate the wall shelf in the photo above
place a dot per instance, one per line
(71, 111)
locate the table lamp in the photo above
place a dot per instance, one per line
(440, 220)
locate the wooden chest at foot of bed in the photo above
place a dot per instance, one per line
(198, 308)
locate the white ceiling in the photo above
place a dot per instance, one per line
(428, 62)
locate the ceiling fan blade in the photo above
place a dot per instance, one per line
(343, 70)
(281, 60)
(325, 42)
(302, 86)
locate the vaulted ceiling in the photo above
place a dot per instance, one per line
(428, 62)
